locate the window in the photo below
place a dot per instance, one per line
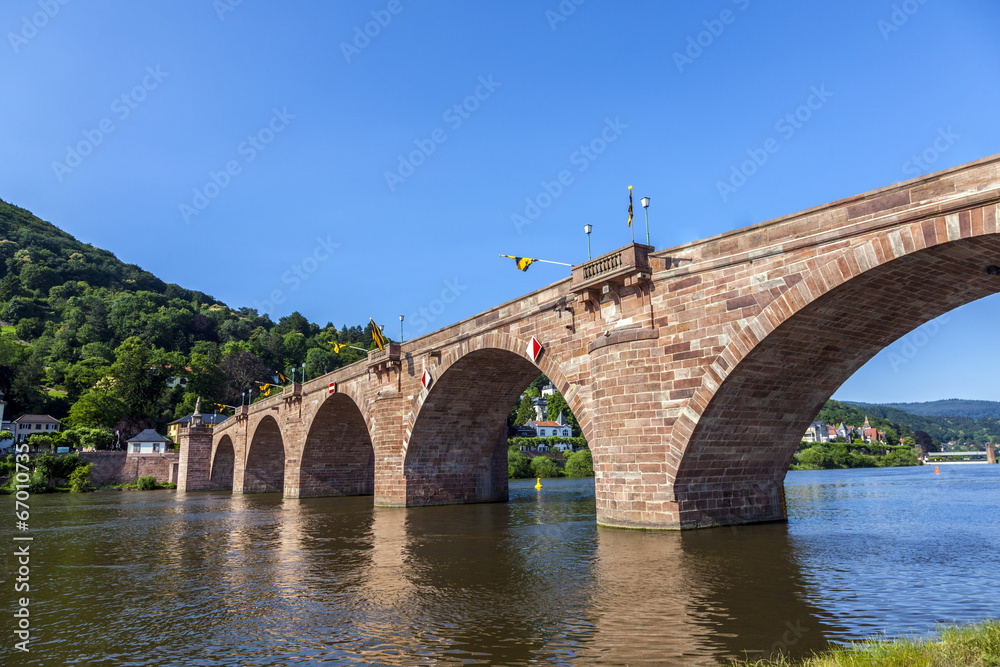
(156, 447)
(136, 448)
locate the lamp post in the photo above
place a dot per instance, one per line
(303, 372)
(645, 207)
(586, 230)
(400, 329)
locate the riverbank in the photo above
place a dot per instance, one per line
(976, 645)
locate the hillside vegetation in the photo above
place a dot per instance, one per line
(951, 407)
(938, 428)
(89, 337)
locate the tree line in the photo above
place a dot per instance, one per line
(93, 340)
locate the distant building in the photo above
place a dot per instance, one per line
(548, 390)
(870, 434)
(148, 442)
(211, 420)
(27, 425)
(817, 432)
(550, 429)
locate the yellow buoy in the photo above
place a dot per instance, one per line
(538, 484)
(936, 469)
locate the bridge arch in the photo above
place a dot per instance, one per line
(264, 470)
(223, 464)
(338, 458)
(758, 397)
(456, 448)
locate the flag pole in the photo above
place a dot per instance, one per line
(630, 213)
(547, 261)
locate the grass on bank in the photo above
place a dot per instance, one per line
(976, 645)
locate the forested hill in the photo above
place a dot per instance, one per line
(89, 336)
(952, 407)
(925, 429)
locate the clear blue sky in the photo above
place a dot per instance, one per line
(310, 117)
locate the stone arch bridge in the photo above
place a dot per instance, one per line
(693, 371)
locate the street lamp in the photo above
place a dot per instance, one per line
(303, 372)
(645, 207)
(400, 329)
(586, 230)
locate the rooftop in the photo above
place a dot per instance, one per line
(36, 419)
(149, 435)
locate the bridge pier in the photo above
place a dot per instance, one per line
(195, 461)
(991, 454)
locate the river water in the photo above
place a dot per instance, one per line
(157, 578)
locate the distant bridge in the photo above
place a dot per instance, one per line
(693, 371)
(986, 456)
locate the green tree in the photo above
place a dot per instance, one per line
(139, 377)
(294, 345)
(543, 466)
(525, 411)
(557, 405)
(518, 465)
(79, 479)
(97, 409)
(580, 464)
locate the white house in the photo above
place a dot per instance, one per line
(548, 429)
(548, 390)
(27, 425)
(148, 442)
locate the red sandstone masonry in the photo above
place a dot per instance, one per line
(693, 387)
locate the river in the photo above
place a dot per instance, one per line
(153, 578)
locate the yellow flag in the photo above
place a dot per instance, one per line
(522, 262)
(377, 335)
(630, 206)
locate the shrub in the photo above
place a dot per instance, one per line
(543, 466)
(57, 466)
(518, 465)
(38, 483)
(79, 479)
(580, 464)
(146, 483)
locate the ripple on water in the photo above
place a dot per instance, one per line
(216, 579)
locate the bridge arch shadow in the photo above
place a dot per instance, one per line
(265, 464)
(457, 449)
(762, 392)
(223, 464)
(338, 458)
